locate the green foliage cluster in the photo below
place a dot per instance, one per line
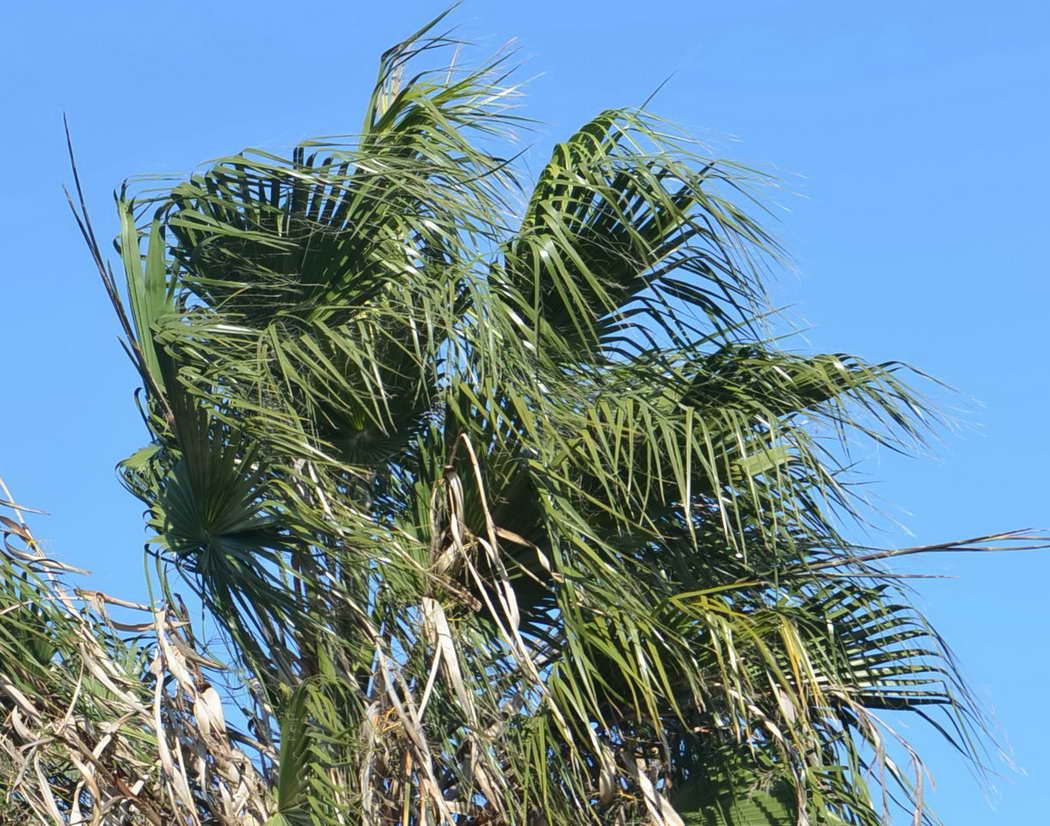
(510, 508)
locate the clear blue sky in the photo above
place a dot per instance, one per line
(911, 142)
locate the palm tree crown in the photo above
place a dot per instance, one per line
(510, 509)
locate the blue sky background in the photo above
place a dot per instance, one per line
(911, 145)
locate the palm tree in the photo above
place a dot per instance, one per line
(509, 507)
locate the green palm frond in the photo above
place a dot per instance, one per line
(627, 229)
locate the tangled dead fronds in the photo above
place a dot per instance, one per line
(108, 721)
